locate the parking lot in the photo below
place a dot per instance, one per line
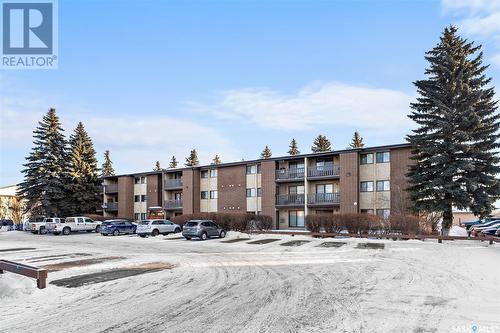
(266, 283)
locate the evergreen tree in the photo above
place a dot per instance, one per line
(294, 149)
(46, 169)
(192, 159)
(454, 145)
(173, 163)
(357, 141)
(321, 144)
(107, 167)
(266, 153)
(157, 166)
(84, 185)
(216, 160)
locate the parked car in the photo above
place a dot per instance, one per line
(156, 227)
(117, 227)
(78, 223)
(41, 227)
(475, 230)
(490, 231)
(470, 224)
(497, 233)
(202, 229)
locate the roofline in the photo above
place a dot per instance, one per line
(279, 158)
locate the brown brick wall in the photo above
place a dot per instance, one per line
(126, 197)
(154, 190)
(349, 184)
(267, 170)
(190, 191)
(400, 160)
(231, 188)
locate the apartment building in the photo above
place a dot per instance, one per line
(287, 188)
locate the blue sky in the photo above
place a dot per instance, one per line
(153, 79)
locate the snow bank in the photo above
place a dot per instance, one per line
(12, 285)
(457, 231)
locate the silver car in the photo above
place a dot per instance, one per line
(156, 227)
(202, 229)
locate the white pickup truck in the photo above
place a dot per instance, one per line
(41, 227)
(78, 223)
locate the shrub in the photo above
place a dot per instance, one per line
(229, 221)
(407, 224)
(313, 223)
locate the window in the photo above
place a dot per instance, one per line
(251, 169)
(299, 189)
(383, 186)
(383, 213)
(143, 180)
(321, 164)
(296, 218)
(251, 192)
(383, 157)
(137, 180)
(178, 196)
(366, 158)
(324, 188)
(213, 194)
(259, 191)
(87, 220)
(204, 194)
(296, 165)
(137, 198)
(258, 168)
(213, 173)
(366, 187)
(204, 174)
(136, 216)
(143, 198)
(143, 216)
(367, 211)
(205, 224)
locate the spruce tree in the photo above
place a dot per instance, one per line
(173, 163)
(266, 153)
(321, 144)
(45, 172)
(157, 166)
(294, 149)
(84, 184)
(216, 160)
(192, 159)
(454, 145)
(357, 141)
(107, 167)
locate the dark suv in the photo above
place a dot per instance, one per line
(202, 229)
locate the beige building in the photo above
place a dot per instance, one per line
(287, 188)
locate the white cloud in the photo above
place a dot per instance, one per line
(334, 104)
(473, 6)
(136, 142)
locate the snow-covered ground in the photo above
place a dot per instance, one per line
(408, 286)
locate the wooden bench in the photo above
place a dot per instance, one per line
(33, 272)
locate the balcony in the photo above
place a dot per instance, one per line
(111, 188)
(173, 204)
(292, 174)
(325, 171)
(290, 200)
(111, 206)
(321, 199)
(174, 183)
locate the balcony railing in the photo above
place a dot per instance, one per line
(173, 204)
(111, 188)
(111, 206)
(173, 183)
(323, 198)
(290, 174)
(323, 171)
(290, 199)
